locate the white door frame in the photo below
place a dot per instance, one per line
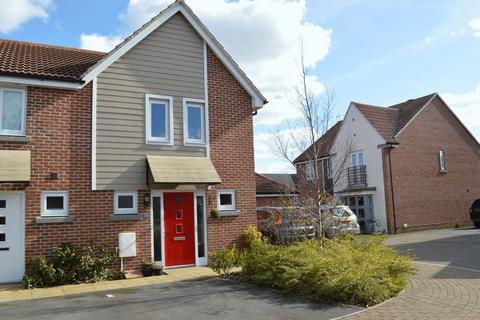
(196, 192)
(22, 228)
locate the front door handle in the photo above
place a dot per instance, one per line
(4, 249)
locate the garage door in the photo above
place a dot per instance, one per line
(12, 257)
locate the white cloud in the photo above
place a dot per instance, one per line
(98, 42)
(14, 13)
(427, 39)
(475, 26)
(467, 107)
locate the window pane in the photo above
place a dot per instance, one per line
(226, 199)
(200, 227)
(12, 110)
(159, 121)
(55, 203)
(125, 202)
(194, 123)
(157, 229)
(360, 159)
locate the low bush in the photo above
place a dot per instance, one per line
(150, 268)
(69, 265)
(351, 270)
(223, 261)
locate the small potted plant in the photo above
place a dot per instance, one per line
(214, 214)
(147, 268)
(157, 268)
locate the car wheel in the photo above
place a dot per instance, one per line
(476, 224)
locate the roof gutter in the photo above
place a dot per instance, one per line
(42, 82)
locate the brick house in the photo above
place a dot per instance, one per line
(140, 143)
(275, 190)
(409, 166)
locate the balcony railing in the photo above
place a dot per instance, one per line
(357, 176)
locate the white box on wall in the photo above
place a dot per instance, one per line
(127, 244)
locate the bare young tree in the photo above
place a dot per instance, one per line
(304, 133)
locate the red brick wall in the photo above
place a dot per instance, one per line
(59, 124)
(307, 188)
(231, 141)
(424, 197)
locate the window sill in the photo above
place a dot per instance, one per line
(9, 138)
(125, 217)
(161, 143)
(229, 213)
(43, 220)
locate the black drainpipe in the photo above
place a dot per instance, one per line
(390, 146)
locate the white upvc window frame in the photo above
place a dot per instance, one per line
(309, 171)
(356, 154)
(196, 103)
(118, 210)
(231, 207)
(54, 212)
(21, 132)
(168, 100)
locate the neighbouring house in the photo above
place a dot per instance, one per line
(275, 190)
(139, 143)
(305, 162)
(410, 166)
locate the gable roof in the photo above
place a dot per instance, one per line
(382, 119)
(390, 121)
(323, 144)
(266, 185)
(258, 100)
(41, 61)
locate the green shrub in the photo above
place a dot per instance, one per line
(252, 237)
(353, 271)
(41, 273)
(223, 261)
(68, 266)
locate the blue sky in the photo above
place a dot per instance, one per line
(372, 51)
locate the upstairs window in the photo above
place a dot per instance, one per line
(309, 174)
(327, 168)
(357, 159)
(12, 111)
(441, 161)
(159, 119)
(194, 121)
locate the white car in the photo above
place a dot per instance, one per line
(340, 220)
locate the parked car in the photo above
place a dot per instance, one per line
(286, 224)
(475, 213)
(294, 223)
(340, 220)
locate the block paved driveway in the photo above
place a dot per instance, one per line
(447, 285)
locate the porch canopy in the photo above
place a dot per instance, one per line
(181, 170)
(14, 166)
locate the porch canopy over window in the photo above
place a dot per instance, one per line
(14, 166)
(164, 170)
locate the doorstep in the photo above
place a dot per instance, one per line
(17, 292)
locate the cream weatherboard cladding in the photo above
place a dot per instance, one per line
(168, 62)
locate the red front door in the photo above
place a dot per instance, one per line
(179, 229)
